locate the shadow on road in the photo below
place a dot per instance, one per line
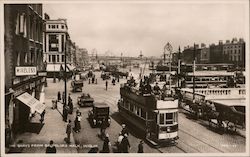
(131, 128)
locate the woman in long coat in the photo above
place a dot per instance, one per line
(106, 144)
(78, 122)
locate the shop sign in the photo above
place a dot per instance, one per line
(42, 73)
(25, 71)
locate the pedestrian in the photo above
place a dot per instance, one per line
(68, 131)
(58, 96)
(65, 113)
(124, 130)
(106, 145)
(69, 98)
(93, 79)
(70, 104)
(78, 122)
(125, 145)
(42, 116)
(140, 147)
(63, 98)
(106, 84)
(119, 141)
(103, 127)
(51, 148)
(89, 80)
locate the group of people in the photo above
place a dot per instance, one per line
(145, 88)
(92, 79)
(122, 143)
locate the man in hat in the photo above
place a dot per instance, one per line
(51, 148)
(124, 130)
(125, 145)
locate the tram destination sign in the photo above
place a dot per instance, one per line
(25, 71)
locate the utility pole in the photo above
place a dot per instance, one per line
(179, 66)
(194, 72)
(65, 74)
(168, 48)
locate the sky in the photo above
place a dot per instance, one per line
(128, 28)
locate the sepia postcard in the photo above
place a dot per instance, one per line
(162, 78)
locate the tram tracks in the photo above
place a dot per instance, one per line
(185, 148)
(197, 139)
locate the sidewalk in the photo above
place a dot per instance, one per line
(54, 128)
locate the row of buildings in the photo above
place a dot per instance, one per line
(229, 52)
(34, 48)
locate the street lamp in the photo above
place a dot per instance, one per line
(168, 48)
(54, 77)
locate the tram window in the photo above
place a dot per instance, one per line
(131, 107)
(138, 111)
(126, 105)
(143, 114)
(161, 118)
(169, 118)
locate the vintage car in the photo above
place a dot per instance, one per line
(105, 75)
(77, 83)
(85, 100)
(98, 114)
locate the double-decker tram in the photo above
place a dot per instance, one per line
(205, 79)
(155, 116)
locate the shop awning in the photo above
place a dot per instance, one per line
(67, 69)
(53, 67)
(71, 67)
(32, 102)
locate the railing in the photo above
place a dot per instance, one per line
(218, 93)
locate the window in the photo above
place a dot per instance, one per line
(26, 58)
(49, 58)
(49, 26)
(143, 114)
(169, 118)
(53, 58)
(53, 42)
(131, 107)
(53, 26)
(17, 23)
(138, 111)
(57, 26)
(62, 26)
(18, 59)
(62, 43)
(57, 57)
(161, 118)
(126, 104)
(62, 58)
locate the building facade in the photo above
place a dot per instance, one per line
(56, 42)
(23, 51)
(234, 52)
(188, 54)
(204, 55)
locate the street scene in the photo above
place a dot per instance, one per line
(102, 86)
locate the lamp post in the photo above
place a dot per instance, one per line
(54, 76)
(193, 73)
(179, 66)
(168, 48)
(65, 74)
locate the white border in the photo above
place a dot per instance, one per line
(125, 1)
